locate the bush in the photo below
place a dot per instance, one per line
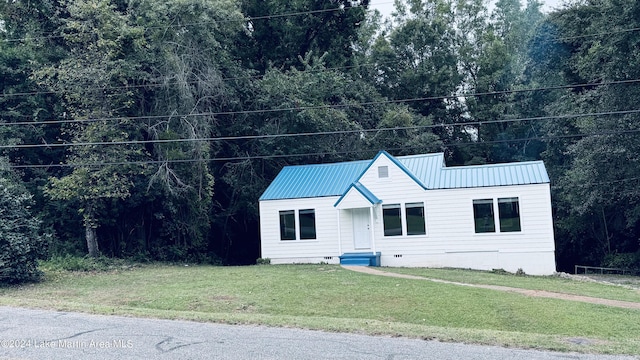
(263, 261)
(85, 263)
(21, 239)
(627, 261)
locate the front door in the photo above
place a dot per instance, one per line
(361, 228)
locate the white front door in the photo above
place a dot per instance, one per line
(361, 228)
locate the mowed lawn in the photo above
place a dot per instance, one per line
(330, 298)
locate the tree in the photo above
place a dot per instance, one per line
(281, 32)
(22, 240)
(596, 191)
(493, 58)
(91, 78)
(193, 78)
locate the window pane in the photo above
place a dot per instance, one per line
(287, 225)
(391, 220)
(415, 219)
(483, 216)
(509, 212)
(307, 224)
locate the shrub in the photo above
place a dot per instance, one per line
(263, 261)
(627, 261)
(86, 263)
(21, 239)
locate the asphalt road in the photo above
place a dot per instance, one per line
(42, 334)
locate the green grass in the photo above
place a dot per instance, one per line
(330, 298)
(548, 283)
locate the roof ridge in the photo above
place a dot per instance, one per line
(518, 163)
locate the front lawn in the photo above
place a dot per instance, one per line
(331, 298)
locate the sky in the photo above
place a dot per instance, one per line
(386, 6)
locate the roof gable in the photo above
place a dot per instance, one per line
(396, 163)
(358, 193)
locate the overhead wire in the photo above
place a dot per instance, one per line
(239, 158)
(301, 13)
(246, 18)
(320, 107)
(336, 132)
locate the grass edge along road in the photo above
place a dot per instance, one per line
(330, 298)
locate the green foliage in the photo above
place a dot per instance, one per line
(596, 193)
(319, 27)
(625, 261)
(263, 261)
(21, 238)
(153, 81)
(81, 263)
(86, 264)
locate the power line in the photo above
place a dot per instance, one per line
(263, 157)
(336, 132)
(224, 79)
(320, 107)
(309, 12)
(597, 34)
(246, 18)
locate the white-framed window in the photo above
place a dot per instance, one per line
(410, 222)
(508, 218)
(483, 217)
(392, 220)
(305, 221)
(288, 225)
(509, 213)
(414, 213)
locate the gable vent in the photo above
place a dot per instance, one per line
(383, 172)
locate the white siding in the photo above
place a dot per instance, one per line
(310, 251)
(450, 239)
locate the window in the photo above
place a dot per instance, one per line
(415, 218)
(287, 225)
(483, 216)
(391, 220)
(509, 213)
(383, 172)
(307, 224)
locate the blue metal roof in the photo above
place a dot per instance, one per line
(428, 170)
(305, 181)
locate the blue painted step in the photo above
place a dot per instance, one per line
(360, 259)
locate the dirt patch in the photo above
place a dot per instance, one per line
(533, 293)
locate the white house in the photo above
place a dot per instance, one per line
(411, 211)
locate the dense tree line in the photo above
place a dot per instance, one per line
(148, 129)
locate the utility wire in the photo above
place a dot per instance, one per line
(256, 157)
(597, 34)
(246, 18)
(224, 79)
(309, 12)
(337, 132)
(320, 107)
(300, 13)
